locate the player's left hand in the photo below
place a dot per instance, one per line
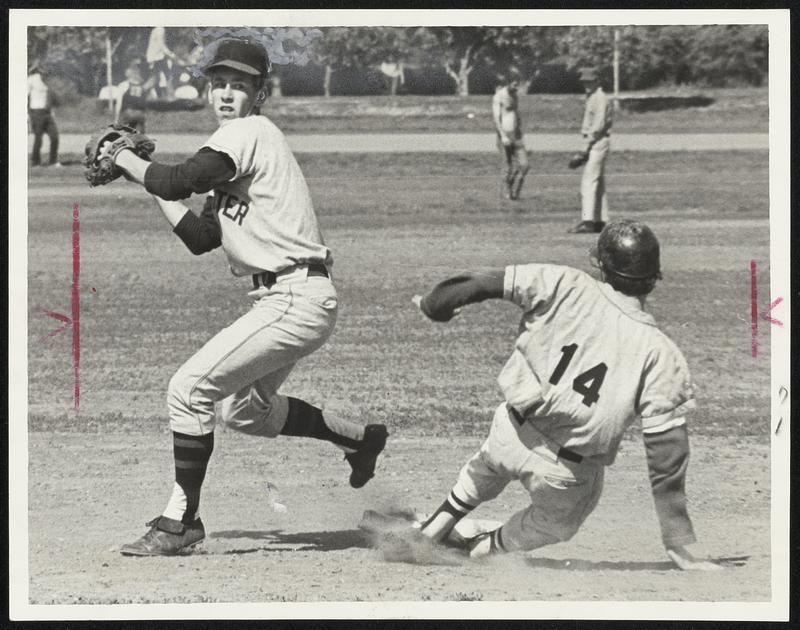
(103, 148)
(685, 561)
(578, 159)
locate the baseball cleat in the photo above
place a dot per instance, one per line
(167, 537)
(364, 459)
(587, 227)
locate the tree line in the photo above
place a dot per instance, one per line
(542, 58)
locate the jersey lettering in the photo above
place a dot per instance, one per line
(226, 203)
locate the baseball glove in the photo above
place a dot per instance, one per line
(105, 145)
(578, 160)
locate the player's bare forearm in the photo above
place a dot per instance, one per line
(446, 298)
(173, 210)
(134, 166)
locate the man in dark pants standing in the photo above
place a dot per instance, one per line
(40, 101)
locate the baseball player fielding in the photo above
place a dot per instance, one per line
(259, 210)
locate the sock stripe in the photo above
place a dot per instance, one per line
(193, 443)
(459, 504)
(196, 465)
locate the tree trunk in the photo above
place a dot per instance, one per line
(461, 76)
(327, 83)
(463, 80)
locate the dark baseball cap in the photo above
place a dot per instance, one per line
(241, 55)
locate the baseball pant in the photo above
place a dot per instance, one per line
(563, 493)
(594, 203)
(42, 122)
(515, 167)
(243, 365)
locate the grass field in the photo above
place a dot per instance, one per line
(741, 110)
(397, 224)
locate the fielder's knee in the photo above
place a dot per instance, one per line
(251, 413)
(190, 412)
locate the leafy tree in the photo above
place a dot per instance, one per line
(398, 45)
(73, 53)
(521, 50)
(730, 54)
(343, 47)
(713, 54)
(457, 49)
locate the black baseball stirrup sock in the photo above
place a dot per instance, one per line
(192, 453)
(305, 420)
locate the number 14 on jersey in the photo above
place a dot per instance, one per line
(587, 383)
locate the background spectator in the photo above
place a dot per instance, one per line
(40, 103)
(131, 97)
(161, 58)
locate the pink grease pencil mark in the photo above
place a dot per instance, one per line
(767, 313)
(75, 320)
(753, 310)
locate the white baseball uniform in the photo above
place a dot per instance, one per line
(587, 364)
(267, 223)
(595, 127)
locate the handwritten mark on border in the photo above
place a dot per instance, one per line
(783, 394)
(766, 314)
(755, 315)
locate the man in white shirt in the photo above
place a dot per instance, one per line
(160, 59)
(40, 101)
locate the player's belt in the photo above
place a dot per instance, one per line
(268, 278)
(562, 453)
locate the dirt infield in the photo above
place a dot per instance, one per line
(397, 224)
(315, 553)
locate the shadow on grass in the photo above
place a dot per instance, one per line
(336, 540)
(571, 564)
(661, 103)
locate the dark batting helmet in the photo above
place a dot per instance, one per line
(629, 255)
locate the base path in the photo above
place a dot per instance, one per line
(461, 142)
